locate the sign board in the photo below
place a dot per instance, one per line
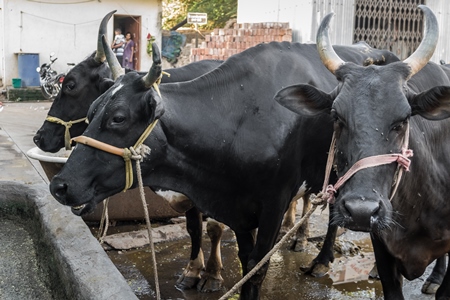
(197, 18)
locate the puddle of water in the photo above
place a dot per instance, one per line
(347, 279)
(283, 281)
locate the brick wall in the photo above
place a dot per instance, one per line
(222, 43)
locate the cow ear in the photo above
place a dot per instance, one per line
(433, 104)
(105, 84)
(304, 99)
(154, 102)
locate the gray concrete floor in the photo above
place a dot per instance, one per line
(75, 252)
(19, 121)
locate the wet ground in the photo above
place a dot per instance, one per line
(347, 280)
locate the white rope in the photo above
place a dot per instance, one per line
(104, 222)
(315, 202)
(139, 157)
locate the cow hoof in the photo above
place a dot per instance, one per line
(186, 283)
(316, 269)
(299, 245)
(430, 287)
(209, 284)
(320, 270)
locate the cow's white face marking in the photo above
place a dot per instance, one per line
(117, 89)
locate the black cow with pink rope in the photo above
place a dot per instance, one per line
(389, 120)
(221, 140)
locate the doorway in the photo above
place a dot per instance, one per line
(131, 24)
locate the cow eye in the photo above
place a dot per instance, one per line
(399, 126)
(337, 119)
(118, 119)
(70, 86)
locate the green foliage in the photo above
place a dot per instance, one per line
(219, 11)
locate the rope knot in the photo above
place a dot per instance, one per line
(140, 152)
(318, 199)
(127, 155)
(328, 194)
(403, 159)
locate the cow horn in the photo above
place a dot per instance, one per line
(155, 71)
(326, 52)
(113, 62)
(423, 53)
(102, 30)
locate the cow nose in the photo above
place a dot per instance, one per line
(364, 214)
(59, 191)
(37, 138)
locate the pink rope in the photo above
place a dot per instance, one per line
(367, 162)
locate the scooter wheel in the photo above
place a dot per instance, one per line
(47, 92)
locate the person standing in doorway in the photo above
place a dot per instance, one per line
(118, 44)
(128, 53)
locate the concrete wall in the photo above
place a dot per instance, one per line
(67, 27)
(304, 17)
(2, 45)
(441, 9)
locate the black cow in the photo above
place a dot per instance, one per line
(88, 80)
(222, 141)
(374, 108)
(82, 85)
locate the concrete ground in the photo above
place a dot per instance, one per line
(77, 260)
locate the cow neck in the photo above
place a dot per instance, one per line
(135, 152)
(328, 190)
(67, 125)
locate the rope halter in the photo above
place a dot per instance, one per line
(137, 152)
(67, 125)
(402, 159)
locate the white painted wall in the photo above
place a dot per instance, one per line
(441, 9)
(67, 27)
(304, 17)
(2, 46)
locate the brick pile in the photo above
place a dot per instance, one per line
(223, 43)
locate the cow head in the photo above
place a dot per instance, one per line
(81, 86)
(372, 107)
(118, 118)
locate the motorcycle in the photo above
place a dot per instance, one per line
(50, 80)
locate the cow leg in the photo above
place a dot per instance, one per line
(212, 279)
(302, 234)
(191, 274)
(321, 264)
(299, 242)
(443, 292)
(433, 281)
(246, 243)
(390, 277)
(289, 218)
(268, 229)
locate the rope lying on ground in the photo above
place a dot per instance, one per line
(318, 200)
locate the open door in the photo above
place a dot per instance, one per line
(131, 24)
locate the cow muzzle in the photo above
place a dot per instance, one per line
(59, 190)
(361, 215)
